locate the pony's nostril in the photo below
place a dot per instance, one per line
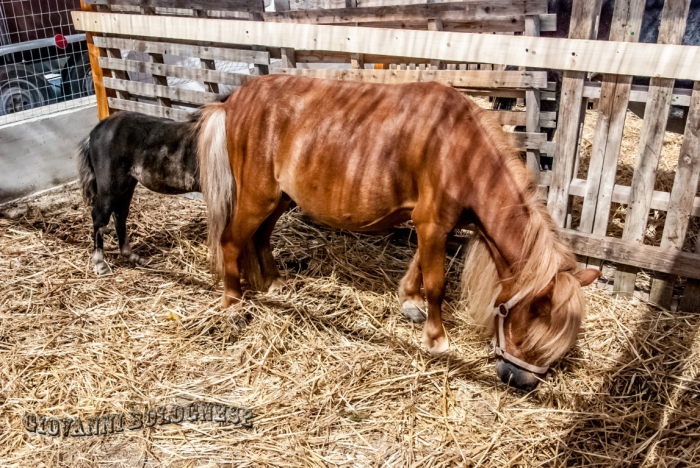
(515, 376)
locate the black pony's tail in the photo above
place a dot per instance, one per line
(86, 173)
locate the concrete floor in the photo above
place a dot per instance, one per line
(40, 154)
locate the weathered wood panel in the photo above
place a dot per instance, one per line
(231, 5)
(455, 78)
(480, 10)
(634, 254)
(583, 21)
(577, 55)
(150, 109)
(638, 93)
(673, 22)
(612, 110)
(155, 91)
(196, 74)
(170, 48)
(682, 198)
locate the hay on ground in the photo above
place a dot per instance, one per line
(333, 371)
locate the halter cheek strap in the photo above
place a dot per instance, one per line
(499, 345)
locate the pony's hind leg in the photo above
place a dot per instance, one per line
(100, 219)
(234, 241)
(121, 212)
(410, 296)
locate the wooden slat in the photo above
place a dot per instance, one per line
(155, 91)
(673, 22)
(634, 254)
(567, 54)
(456, 12)
(583, 21)
(638, 93)
(456, 78)
(547, 119)
(224, 5)
(196, 74)
(210, 53)
(621, 194)
(149, 109)
(524, 141)
(685, 186)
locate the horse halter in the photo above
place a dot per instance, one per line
(499, 342)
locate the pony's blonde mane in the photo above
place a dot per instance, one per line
(545, 257)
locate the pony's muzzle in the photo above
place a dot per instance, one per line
(515, 376)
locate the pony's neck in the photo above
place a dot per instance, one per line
(506, 216)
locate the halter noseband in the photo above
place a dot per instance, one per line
(499, 342)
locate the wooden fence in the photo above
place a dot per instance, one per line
(407, 40)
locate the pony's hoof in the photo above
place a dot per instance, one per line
(101, 268)
(414, 312)
(136, 260)
(436, 347)
(277, 286)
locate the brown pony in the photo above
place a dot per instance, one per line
(366, 157)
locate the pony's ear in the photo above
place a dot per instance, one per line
(587, 276)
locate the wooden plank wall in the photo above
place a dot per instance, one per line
(472, 76)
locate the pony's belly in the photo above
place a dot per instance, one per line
(353, 222)
(353, 217)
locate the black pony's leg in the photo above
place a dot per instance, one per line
(121, 212)
(101, 210)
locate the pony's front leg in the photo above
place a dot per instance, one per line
(410, 297)
(432, 240)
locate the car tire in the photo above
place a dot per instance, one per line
(20, 89)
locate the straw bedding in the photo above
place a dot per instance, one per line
(333, 372)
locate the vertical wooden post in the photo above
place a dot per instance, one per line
(288, 58)
(584, 16)
(690, 302)
(673, 21)
(435, 25)
(532, 104)
(681, 203)
(94, 54)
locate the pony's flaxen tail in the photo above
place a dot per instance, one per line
(216, 179)
(86, 173)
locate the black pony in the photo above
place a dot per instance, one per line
(127, 148)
